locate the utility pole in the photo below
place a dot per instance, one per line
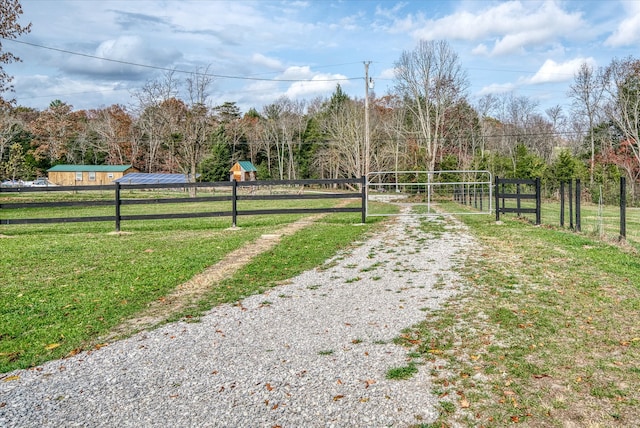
(366, 119)
(367, 143)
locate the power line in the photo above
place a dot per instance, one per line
(153, 67)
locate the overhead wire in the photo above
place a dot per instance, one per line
(154, 67)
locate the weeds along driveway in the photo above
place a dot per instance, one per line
(317, 351)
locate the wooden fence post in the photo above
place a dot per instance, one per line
(118, 203)
(363, 187)
(497, 193)
(570, 204)
(234, 203)
(623, 208)
(538, 202)
(561, 203)
(578, 192)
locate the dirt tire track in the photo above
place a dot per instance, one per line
(188, 293)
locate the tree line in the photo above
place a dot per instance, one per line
(425, 122)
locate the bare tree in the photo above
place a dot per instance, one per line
(586, 91)
(485, 106)
(10, 11)
(10, 128)
(196, 126)
(430, 80)
(390, 149)
(622, 85)
(342, 123)
(113, 126)
(283, 128)
(151, 122)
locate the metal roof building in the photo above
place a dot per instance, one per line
(156, 178)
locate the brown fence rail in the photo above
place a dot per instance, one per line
(233, 211)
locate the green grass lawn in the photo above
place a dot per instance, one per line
(547, 333)
(65, 285)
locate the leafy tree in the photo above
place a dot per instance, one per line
(10, 28)
(53, 130)
(16, 167)
(565, 167)
(527, 164)
(215, 167)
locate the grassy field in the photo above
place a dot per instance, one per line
(546, 335)
(601, 221)
(66, 285)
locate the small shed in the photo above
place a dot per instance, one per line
(243, 171)
(87, 175)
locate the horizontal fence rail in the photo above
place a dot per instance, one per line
(236, 192)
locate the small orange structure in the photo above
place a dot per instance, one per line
(87, 175)
(243, 171)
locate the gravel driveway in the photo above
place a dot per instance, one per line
(312, 353)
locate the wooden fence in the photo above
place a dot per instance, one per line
(233, 211)
(505, 191)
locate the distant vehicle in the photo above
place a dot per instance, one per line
(42, 182)
(12, 183)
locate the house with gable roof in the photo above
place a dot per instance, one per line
(87, 175)
(243, 171)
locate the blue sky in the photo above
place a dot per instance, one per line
(261, 50)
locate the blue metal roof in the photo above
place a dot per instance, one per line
(144, 178)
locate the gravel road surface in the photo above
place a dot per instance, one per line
(311, 353)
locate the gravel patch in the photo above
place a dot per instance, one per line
(313, 353)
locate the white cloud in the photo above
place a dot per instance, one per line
(512, 26)
(552, 72)
(123, 50)
(319, 84)
(388, 73)
(93, 94)
(481, 49)
(628, 31)
(262, 60)
(497, 88)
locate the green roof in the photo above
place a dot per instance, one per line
(247, 166)
(92, 168)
